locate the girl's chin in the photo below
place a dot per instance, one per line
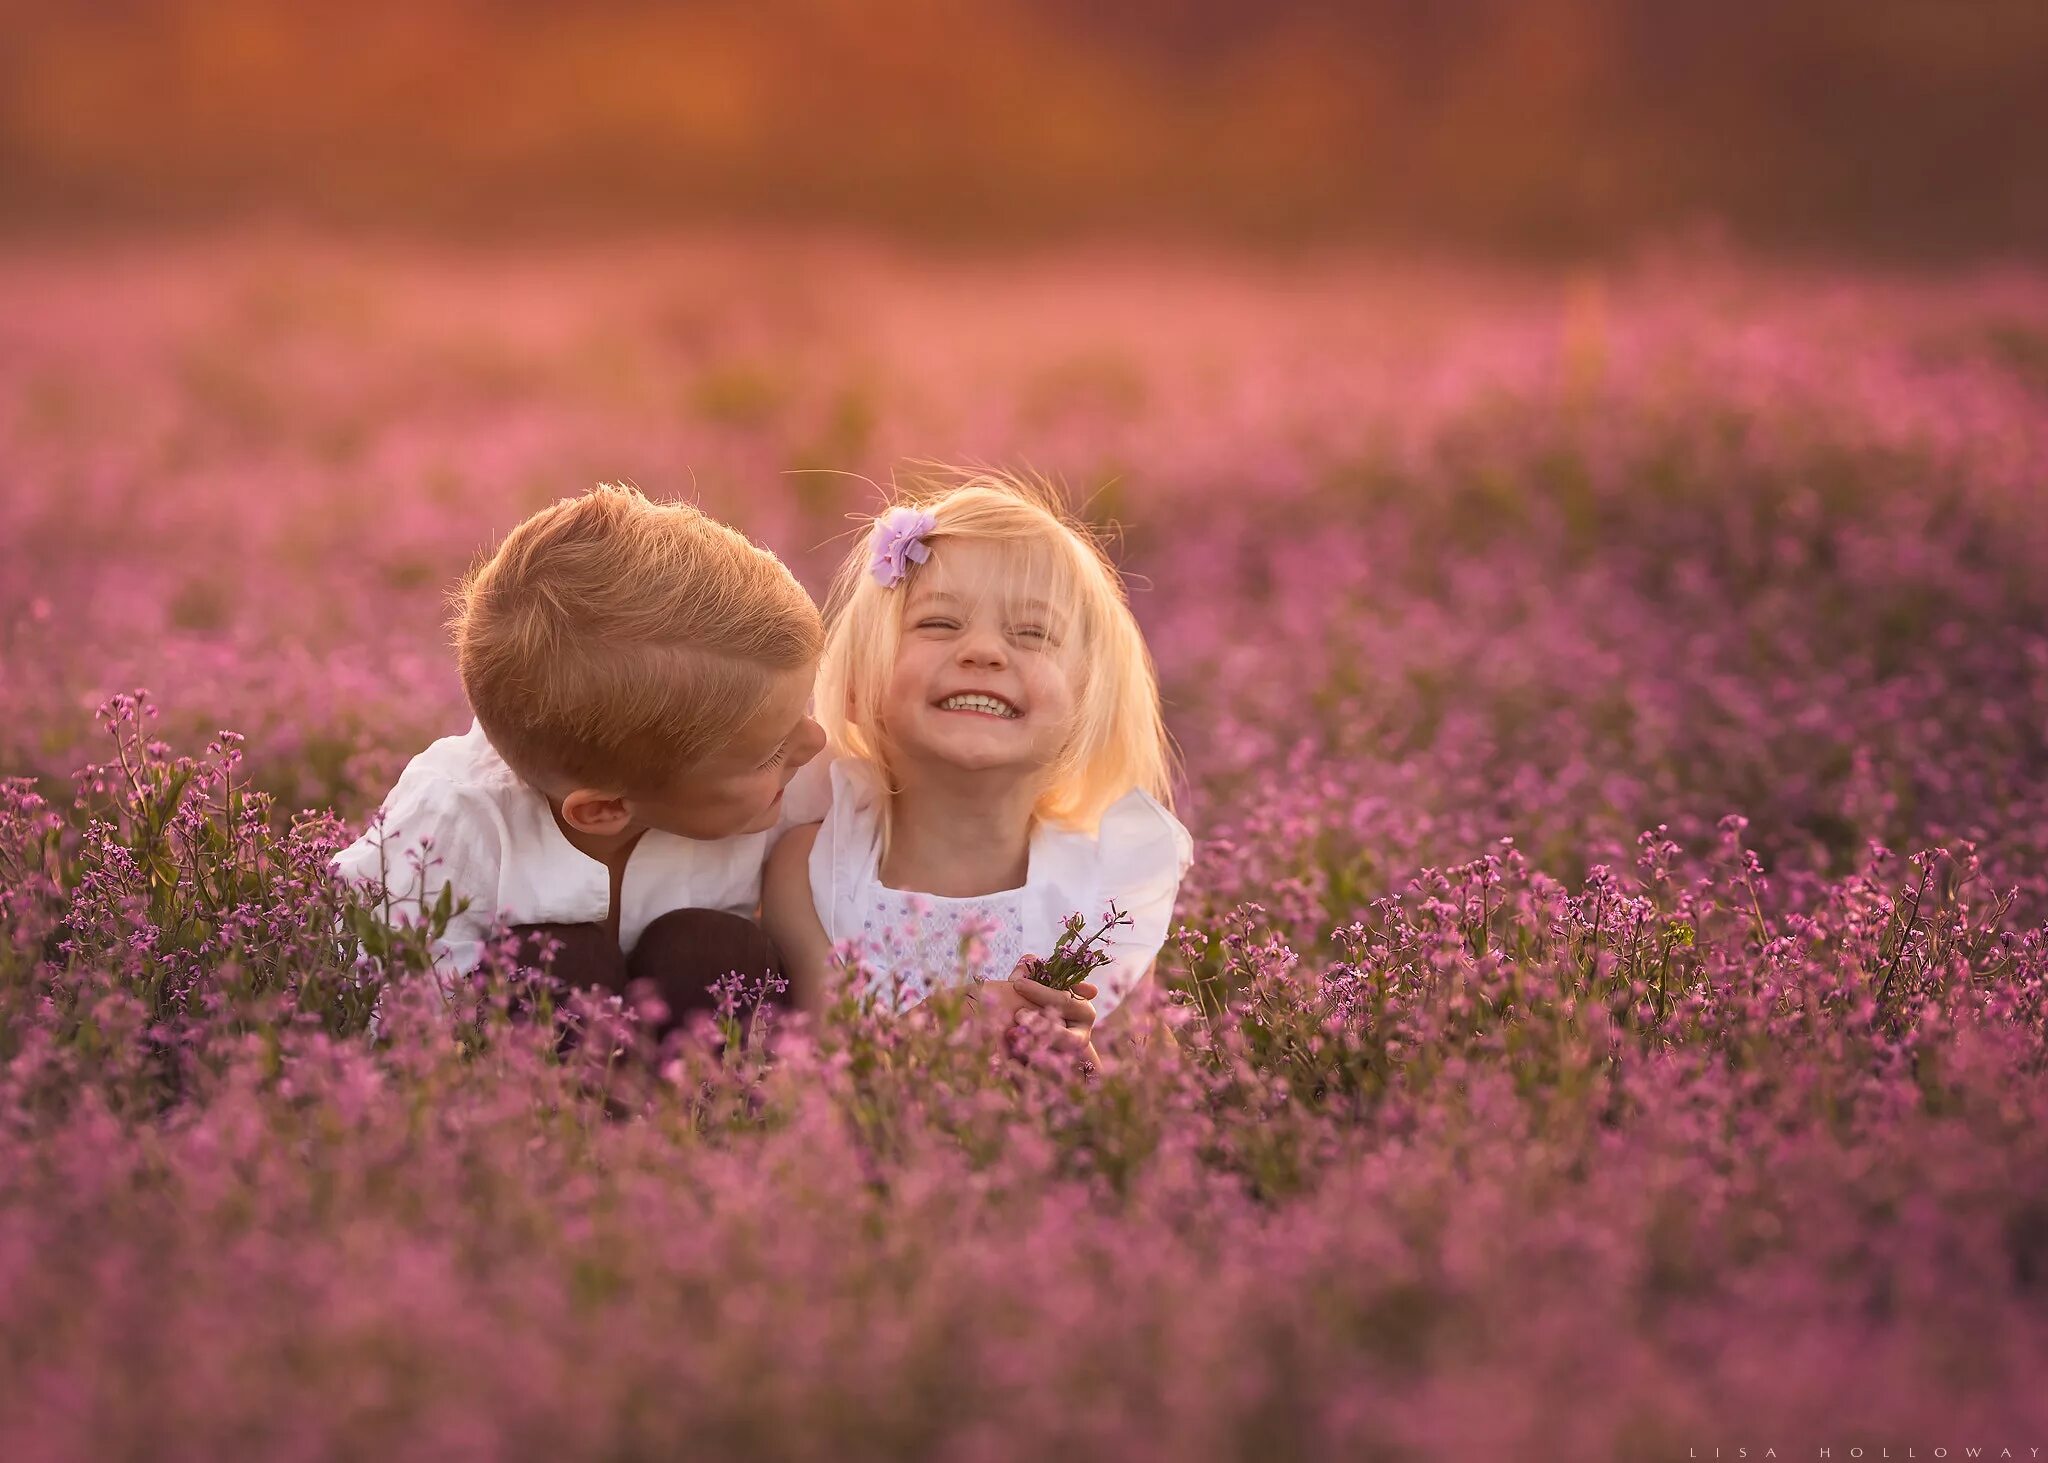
(981, 759)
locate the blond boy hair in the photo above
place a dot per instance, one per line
(614, 642)
(1118, 738)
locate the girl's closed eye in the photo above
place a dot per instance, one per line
(935, 623)
(776, 761)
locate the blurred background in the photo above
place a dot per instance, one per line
(1889, 128)
(1414, 350)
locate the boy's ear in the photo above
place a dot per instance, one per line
(589, 811)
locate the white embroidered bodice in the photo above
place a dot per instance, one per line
(923, 940)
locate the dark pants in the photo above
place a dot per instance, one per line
(683, 955)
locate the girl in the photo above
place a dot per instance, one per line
(999, 765)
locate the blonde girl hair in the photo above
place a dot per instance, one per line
(1117, 740)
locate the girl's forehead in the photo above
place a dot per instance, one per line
(971, 570)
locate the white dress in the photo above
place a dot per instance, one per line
(911, 943)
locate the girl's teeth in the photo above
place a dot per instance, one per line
(977, 703)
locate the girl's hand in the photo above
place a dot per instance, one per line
(1064, 1020)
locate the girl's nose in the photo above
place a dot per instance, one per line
(981, 647)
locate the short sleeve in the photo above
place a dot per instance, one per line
(430, 834)
(1144, 852)
(840, 857)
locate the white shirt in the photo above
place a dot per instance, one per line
(493, 837)
(915, 942)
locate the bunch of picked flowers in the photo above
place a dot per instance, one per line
(1073, 958)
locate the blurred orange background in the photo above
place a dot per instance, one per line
(1889, 127)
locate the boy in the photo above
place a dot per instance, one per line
(640, 675)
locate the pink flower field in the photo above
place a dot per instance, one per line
(1608, 1014)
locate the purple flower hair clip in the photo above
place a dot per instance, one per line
(899, 543)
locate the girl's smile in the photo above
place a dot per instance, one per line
(981, 703)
